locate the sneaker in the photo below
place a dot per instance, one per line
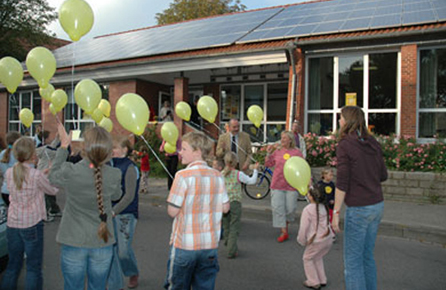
(49, 218)
(55, 214)
(133, 282)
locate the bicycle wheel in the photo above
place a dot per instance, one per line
(260, 190)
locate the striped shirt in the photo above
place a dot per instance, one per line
(199, 191)
(27, 206)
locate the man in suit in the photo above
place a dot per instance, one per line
(236, 141)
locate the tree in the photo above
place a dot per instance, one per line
(23, 25)
(181, 10)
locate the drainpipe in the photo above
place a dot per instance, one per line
(290, 48)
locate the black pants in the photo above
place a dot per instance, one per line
(51, 204)
(172, 164)
(5, 198)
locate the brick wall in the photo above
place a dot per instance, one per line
(421, 187)
(408, 90)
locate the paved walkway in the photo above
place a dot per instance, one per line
(422, 222)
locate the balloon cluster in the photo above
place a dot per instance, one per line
(169, 132)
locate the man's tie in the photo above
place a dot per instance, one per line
(234, 145)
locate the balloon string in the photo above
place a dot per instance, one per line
(238, 147)
(21, 126)
(72, 86)
(156, 156)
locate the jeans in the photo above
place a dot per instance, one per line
(78, 261)
(196, 269)
(360, 230)
(30, 242)
(124, 260)
(231, 227)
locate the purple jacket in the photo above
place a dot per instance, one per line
(360, 170)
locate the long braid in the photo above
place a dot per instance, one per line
(103, 232)
(318, 199)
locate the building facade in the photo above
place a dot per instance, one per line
(302, 61)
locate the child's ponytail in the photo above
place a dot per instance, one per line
(98, 148)
(103, 232)
(11, 137)
(23, 150)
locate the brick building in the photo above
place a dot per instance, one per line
(302, 61)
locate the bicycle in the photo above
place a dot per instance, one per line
(262, 187)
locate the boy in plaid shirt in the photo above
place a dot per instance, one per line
(197, 201)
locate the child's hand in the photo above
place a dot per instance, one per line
(65, 139)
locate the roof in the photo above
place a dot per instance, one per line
(304, 20)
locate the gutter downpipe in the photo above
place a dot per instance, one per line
(290, 48)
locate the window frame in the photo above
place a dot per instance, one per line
(336, 109)
(18, 94)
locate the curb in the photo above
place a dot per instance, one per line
(424, 234)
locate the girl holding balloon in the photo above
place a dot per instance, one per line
(86, 226)
(283, 195)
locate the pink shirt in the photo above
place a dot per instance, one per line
(308, 222)
(27, 206)
(277, 160)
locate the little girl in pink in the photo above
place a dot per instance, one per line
(317, 237)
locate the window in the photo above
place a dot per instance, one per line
(432, 93)
(271, 97)
(19, 101)
(75, 117)
(367, 80)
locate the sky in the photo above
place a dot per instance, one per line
(118, 15)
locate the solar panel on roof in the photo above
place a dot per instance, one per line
(388, 10)
(328, 27)
(441, 14)
(386, 20)
(360, 13)
(439, 4)
(418, 17)
(418, 6)
(358, 23)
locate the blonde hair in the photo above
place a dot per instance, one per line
(11, 137)
(230, 162)
(354, 121)
(199, 141)
(291, 136)
(123, 142)
(325, 171)
(23, 150)
(98, 148)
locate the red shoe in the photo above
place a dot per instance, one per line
(283, 237)
(133, 282)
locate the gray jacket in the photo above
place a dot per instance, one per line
(80, 219)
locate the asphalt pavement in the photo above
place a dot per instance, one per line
(415, 221)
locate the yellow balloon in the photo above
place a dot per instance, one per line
(59, 99)
(132, 113)
(183, 110)
(27, 117)
(207, 108)
(297, 173)
(105, 107)
(255, 115)
(41, 65)
(76, 18)
(107, 124)
(46, 93)
(11, 73)
(169, 132)
(87, 95)
(97, 115)
(169, 148)
(53, 110)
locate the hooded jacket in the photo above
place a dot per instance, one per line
(360, 170)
